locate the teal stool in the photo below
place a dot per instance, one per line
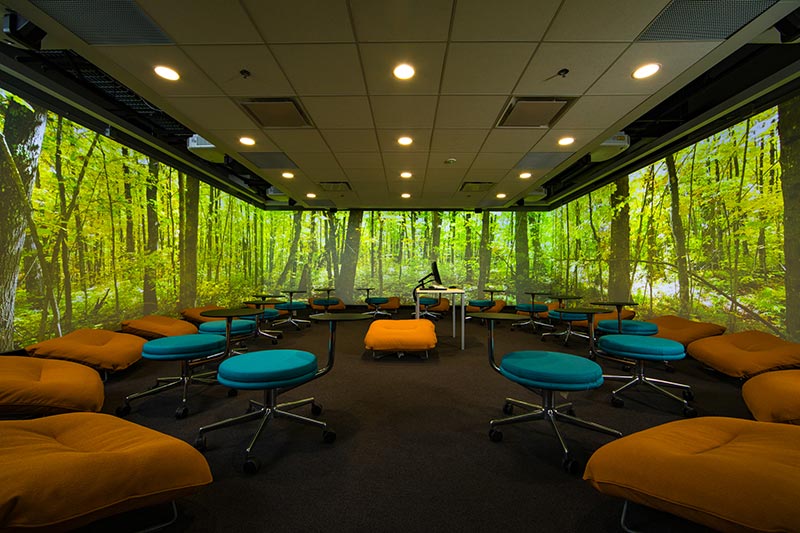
(267, 315)
(239, 327)
(531, 309)
(641, 349)
(274, 372)
(292, 307)
(424, 303)
(567, 318)
(192, 351)
(376, 302)
(546, 373)
(629, 327)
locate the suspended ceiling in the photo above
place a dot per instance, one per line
(497, 84)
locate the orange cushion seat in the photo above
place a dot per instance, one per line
(726, 473)
(774, 396)
(157, 326)
(339, 306)
(193, 315)
(497, 306)
(400, 335)
(99, 348)
(683, 330)
(64, 471)
(38, 387)
(627, 314)
(746, 353)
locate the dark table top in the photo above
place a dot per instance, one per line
(264, 296)
(227, 313)
(495, 316)
(614, 303)
(565, 297)
(339, 317)
(581, 310)
(271, 301)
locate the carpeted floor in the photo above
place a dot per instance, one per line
(412, 451)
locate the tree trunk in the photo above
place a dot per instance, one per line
(23, 133)
(191, 219)
(62, 227)
(521, 255)
(679, 236)
(149, 282)
(436, 235)
(352, 241)
(469, 274)
(130, 243)
(619, 260)
(789, 129)
(297, 223)
(485, 254)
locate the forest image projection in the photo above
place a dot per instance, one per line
(93, 233)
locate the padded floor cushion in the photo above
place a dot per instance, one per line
(98, 348)
(725, 473)
(156, 326)
(401, 335)
(37, 387)
(774, 396)
(683, 330)
(746, 353)
(193, 314)
(68, 470)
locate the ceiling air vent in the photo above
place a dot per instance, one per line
(336, 186)
(276, 113)
(476, 186)
(533, 112)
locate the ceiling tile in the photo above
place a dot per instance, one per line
(549, 142)
(399, 161)
(368, 175)
(512, 139)
(598, 112)
(320, 174)
(469, 111)
(321, 69)
(300, 140)
(365, 160)
(401, 20)
(585, 62)
(220, 112)
(496, 160)
(313, 160)
(388, 140)
(510, 20)
(301, 21)
(231, 138)
(490, 175)
(484, 68)
(399, 112)
(448, 176)
(379, 60)
(335, 112)
(461, 160)
(188, 21)
(457, 140)
(603, 20)
(224, 65)
(351, 140)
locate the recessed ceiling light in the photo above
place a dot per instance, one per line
(645, 71)
(167, 73)
(566, 141)
(405, 195)
(525, 175)
(311, 195)
(501, 195)
(247, 141)
(405, 141)
(406, 174)
(288, 175)
(403, 71)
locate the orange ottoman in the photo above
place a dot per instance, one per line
(193, 314)
(38, 387)
(774, 396)
(683, 330)
(99, 348)
(400, 336)
(65, 471)
(746, 353)
(726, 473)
(156, 326)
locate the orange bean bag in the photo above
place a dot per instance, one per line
(98, 348)
(496, 308)
(411, 335)
(336, 307)
(746, 353)
(627, 314)
(442, 306)
(156, 326)
(774, 396)
(683, 330)
(392, 305)
(65, 471)
(38, 387)
(728, 474)
(193, 315)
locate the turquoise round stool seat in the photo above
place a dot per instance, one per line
(551, 370)
(428, 301)
(566, 316)
(266, 314)
(238, 327)
(629, 327)
(291, 306)
(377, 300)
(641, 347)
(183, 347)
(532, 308)
(481, 303)
(326, 302)
(267, 369)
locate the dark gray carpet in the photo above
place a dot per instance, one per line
(412, 452)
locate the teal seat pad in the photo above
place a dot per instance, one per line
(629, 327)
(428, 301)
(238, 327)
(183, 347)
(532, 308)
(294, 306)
(326, 301)
(481, 303)
(267, 369)
(566, 316)
(551, 370)
(377, 300)
(642, 347)
(266, 314)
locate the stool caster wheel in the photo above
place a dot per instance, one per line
(688, 395)
(570, 466)
(123, 410)
(689, 412)
(328, 436)
(274, 341)
(495, 435)
(200, 443)
(251, 465)
(181, 412)
(316, 409)
(232, 393)
(508, 408)
(617, 402)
